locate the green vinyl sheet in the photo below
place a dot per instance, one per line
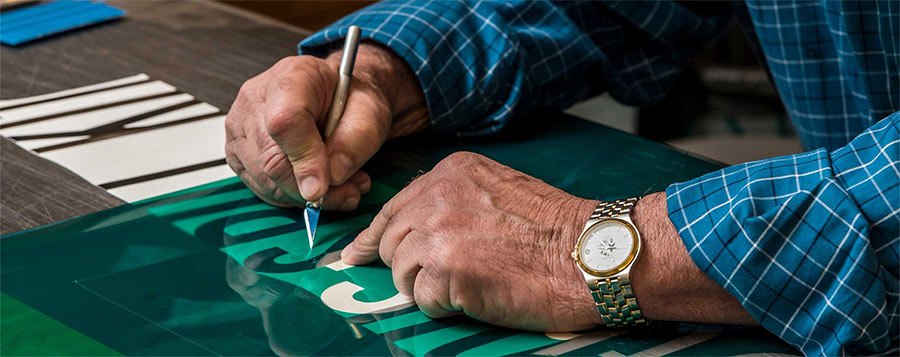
(214, 271)
(28, 332)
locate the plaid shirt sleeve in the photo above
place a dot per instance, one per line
(807, 243)
(482, 63)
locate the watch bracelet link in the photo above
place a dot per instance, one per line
(615, 300)
(614, 208)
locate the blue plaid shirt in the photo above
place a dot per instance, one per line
(807, 243)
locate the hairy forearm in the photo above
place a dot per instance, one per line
(665, 280)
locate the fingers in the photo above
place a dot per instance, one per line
(432, 295)
(364, 249)
(276, 120)
(399, 228)
(362, 129)
(406, 264)
(362, 181)
(266, 191)
(293, 104)
(346, 197)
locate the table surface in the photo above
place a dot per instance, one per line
(203, 48)
(147, 278)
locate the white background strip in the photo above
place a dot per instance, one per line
(84, 101)
(38, 98)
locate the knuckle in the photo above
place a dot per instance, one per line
(299, 67)
(288, 63)
(232, 161)
(279, 121)
(424, 292)
(233, 124)
(461, 158)
(230, 151)
(387, 259)
(246, 87)
(394, 260)
(275, 165)
(443, 190)
(436, 222)
(422, 295)
(285, 83)
(231, 121)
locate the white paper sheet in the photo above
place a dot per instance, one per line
(146, 152)
(129, 153)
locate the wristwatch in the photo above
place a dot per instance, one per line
(605, 252)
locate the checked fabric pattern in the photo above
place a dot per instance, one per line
(807, 243)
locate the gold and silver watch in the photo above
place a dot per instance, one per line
(605, 252)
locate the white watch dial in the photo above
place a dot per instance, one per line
(606, 246)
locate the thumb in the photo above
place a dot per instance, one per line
(294, 101)
(363, 249)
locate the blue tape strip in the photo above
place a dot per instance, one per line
(31, 23)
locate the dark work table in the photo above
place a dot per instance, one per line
(206, 49)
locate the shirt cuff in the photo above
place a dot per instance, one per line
(792, 246)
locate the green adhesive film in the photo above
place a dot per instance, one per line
(204, 202)
(190, 224)
(397, 322)
(255, 225)
(191, 214)
(207, 186)
(27, 332)
(295, 243)
(421, 344)
(511, 345)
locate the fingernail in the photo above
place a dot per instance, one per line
(340, 167)
(309, 186)
(365, 187)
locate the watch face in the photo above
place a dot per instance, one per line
(608, 247)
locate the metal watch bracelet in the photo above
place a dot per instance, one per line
(616, 302)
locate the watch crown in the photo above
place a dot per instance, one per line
(573, 255)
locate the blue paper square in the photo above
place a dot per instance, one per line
(28, 24)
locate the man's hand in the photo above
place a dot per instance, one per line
(476, 237)
(273, 128)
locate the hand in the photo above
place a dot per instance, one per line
(476, 237)
(273, 141)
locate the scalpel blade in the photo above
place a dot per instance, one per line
(311, 216)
